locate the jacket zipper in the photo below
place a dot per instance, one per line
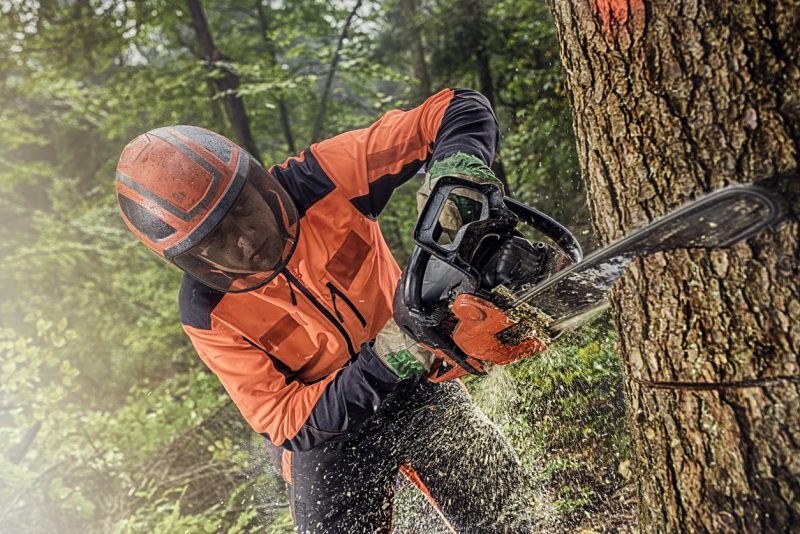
(323, 310)
(336, 292)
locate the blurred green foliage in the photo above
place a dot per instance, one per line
(108, 422)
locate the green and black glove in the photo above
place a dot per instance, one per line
(401, 354)
(463, 208)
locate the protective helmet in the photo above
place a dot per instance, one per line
(201, 202)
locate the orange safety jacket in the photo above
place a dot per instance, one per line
(294, 354)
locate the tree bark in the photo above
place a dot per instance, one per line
(226, 83)
(316, 132)
(671, 99)
(283, 109)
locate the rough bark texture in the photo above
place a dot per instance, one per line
(670, 99)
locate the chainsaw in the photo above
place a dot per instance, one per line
(492, 296)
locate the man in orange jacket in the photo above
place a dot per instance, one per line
(287, 297)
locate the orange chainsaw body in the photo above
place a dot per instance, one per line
(477, 334)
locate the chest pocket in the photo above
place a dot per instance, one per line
(279, 332)
(345, 264)
(296, 343)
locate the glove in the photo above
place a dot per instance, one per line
(459, 209)
(401, 354)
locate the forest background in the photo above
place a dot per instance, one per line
(108, 420)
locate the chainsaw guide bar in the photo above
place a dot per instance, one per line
(720, 219)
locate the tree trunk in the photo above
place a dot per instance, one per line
(227, 83)
(478, 19)
(671, 99)
(487, 88)
(216, 109)
(409, 12)
(283, 109)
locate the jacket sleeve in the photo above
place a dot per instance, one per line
(292, 414)
(369, 164)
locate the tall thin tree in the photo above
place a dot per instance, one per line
(227, 81)
(264, 23)
(412, 27)
(316, 132)
(476, 19)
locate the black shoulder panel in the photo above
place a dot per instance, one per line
(380, 190)
(468, 125)
(305, 181)
(196, 301)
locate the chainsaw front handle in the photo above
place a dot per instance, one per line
(498, 214)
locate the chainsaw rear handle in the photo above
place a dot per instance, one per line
(495, 217)
(420, 322)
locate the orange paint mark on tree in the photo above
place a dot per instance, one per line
(613, 14)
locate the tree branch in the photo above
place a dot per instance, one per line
(283, 109)
(16, 454)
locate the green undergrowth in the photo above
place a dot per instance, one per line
(564, 414)
(177, 457)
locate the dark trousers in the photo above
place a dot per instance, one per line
(434, 432)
